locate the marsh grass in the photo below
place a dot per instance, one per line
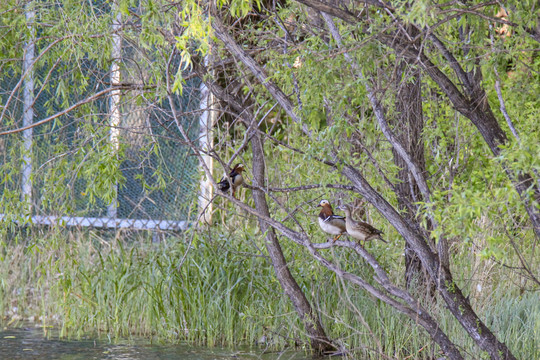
(210, 289)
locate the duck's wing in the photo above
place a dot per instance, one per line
(366, 228)
(330, 218)
(236, 179)
(335, 217)
(224, 184)
(337, 221)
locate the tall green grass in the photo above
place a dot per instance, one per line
(210, 289)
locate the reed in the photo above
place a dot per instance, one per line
(210, 289)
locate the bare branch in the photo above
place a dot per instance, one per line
(503, 106)
(380, 115)
(67, 110)
(305, 187)
(257, 71)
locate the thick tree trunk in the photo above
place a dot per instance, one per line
(319, 341)
(473, 104)
(408, 126)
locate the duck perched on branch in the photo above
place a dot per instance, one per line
(234, 179)
(329, 222)
(358, 229)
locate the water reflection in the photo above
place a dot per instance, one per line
(30, 343)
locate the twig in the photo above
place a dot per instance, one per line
(303, 187)
(503, 106)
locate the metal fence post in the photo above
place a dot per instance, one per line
(28, 110)
(114, 101)
(206, 142)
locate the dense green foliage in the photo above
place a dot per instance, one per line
(215, 284)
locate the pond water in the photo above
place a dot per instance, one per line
(30, 343)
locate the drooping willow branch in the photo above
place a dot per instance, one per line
(302, 187)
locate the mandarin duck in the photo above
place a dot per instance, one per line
(358, 229)
(235, 179)
(329, 222)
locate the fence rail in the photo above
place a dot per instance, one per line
(107, 223)
(157, 182)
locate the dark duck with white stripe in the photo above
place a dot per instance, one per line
(235, 179)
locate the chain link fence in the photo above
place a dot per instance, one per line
(124, 145)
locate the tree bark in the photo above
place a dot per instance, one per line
(319, 341)
(475, 107)
(408, 126)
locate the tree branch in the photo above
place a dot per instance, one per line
(67, 110)
(380, 115)
(257, 71)
(503, 106)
